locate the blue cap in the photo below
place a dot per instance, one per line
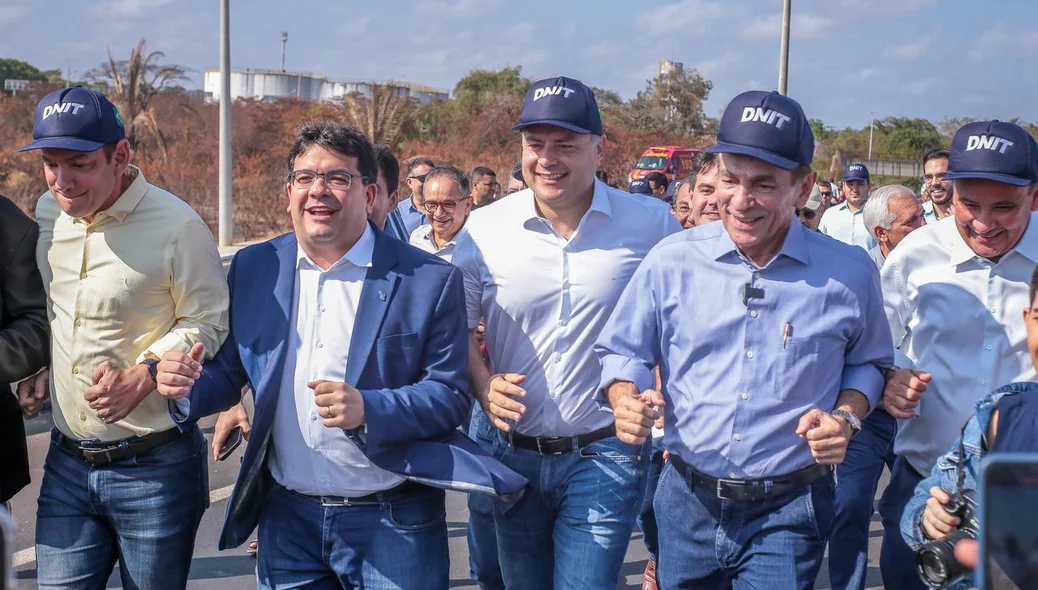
(561, 102)
(856, 172)
(76, 119)
(766, 126)
(993, 150)
(640, 187)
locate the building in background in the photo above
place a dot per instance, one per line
(274, 84)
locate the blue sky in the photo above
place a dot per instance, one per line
(913, 58)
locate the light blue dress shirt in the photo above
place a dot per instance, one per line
(736, 381)
(848, 226)
(411, 216)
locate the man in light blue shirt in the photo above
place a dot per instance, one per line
(766, 372)
(412, 211)
(846, 221)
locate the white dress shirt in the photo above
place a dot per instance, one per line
(848, 226)
(545, 299)
(422, 239)
(956, 316)
(308, 457)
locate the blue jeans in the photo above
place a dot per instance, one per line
(482, 534)
(572, 527)
(646, 515)
(398, 543)
(896, 559)
(142, 512)
(856, 481)
(713, 544)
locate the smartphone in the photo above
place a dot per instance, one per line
(6, 549)
(1008, 522)
(233, 442)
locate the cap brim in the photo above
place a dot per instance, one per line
(553, 123)
(1003, 178)
(64, 143)
(742, 150)
(861, 178)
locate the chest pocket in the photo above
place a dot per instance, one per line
(795, 372)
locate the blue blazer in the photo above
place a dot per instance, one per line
(408, 357)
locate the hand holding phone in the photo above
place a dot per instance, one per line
(233, 442)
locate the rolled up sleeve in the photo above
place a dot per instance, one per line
(199, 291)
(629, 346)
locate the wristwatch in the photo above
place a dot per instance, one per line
(153, 368)
(851, 419)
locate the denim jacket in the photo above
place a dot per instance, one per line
(975, 445)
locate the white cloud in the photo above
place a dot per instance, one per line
(908, 51)
(919, 87)
(12, 13)
(801, 27)
(880, 8)
(1002, 41)
(458, 9)
(126, 9)
(687, 16)
(866, 74)
(720, 65)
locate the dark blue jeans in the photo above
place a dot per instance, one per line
(896, 559)
(142, 512)
(482, 534)
(856, 481)
(572, 527)
(711, 544)
(646, 515)
(398, 543)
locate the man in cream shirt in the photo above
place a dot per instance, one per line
(447, 204)
(131, 272)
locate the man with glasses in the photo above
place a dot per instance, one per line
(356, 346)
(937, 189)
(810, 213)
(412, 211)
(447, 205)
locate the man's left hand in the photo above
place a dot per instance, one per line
(340, 405)
(826, 435)
(116, 392)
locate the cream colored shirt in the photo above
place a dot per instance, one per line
(144, 277)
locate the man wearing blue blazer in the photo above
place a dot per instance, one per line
(356, 347)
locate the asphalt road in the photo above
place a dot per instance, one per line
(234, 570)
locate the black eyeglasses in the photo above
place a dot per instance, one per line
(337, 179)
(420, 179)
(807, 213)
(447, 206)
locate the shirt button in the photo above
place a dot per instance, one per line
(753, 314)
(320, 345)
(989, 347)
(75, 370)
(313, 417)
(984, 382)
(992, 310)
(745, 396)
(562, 323)
(732, 476)
(558, 357)
(323, 308)
(82, 416)
(80, 323)
(738, 437)
(749, 354)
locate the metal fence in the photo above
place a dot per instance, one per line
(893, 168)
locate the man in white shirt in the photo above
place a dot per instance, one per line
(953, 292)
(448, 203)
(544, 268)
(892, 213)
(845, 222)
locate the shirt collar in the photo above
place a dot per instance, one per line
(426, 233)
(960, 252)
(599, 202)
(128, 201)
(795, 245)
(360, 255)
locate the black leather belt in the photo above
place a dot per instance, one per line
(751, 490)
(97, 452)
(559, 445)
(373, 499)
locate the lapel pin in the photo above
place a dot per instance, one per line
(382, 295)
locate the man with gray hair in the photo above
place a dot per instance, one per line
(891, 213)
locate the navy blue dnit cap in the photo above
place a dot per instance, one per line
(76, 119)
(993, 150)
(639, 187)
(766, 126)
(561, 102)
(856, 172)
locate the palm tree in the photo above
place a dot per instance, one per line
(134, 83)
(382, 116)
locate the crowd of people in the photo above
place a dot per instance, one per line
(728, 361)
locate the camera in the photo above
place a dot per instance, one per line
(936, 561)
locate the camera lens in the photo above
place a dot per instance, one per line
(932, 569)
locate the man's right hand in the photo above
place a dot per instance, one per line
(236, 417)
(500, 404)
(177, 372)
(903, 392)
(33, 392)
(635, 413)
(938, 523)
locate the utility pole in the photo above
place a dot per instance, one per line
(226, 214)
(784, 53)
(872, 127)
(284, 42)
